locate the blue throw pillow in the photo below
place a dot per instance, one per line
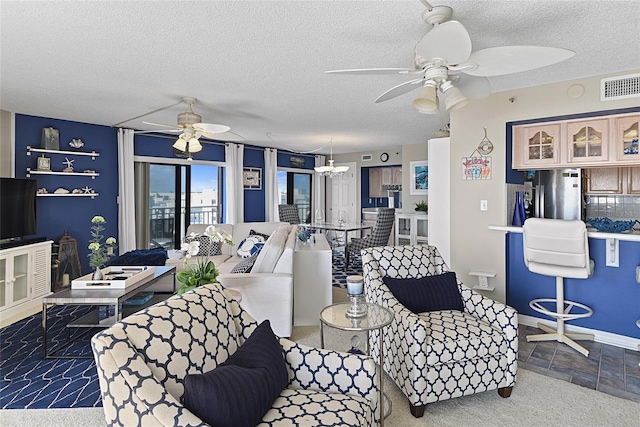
(251, 246)
(243, 388)
(429, 293)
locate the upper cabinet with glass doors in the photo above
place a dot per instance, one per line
(597, 142)
(588, 141)
(626, 143)
(536, 146)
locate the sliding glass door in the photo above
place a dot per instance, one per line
(295, 189)
(170, 197)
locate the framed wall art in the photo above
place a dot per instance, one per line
(419, 178)
(252, 178)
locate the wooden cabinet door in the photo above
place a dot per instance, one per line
(626, 139)
(375, 183)
(536, 146)
(397, 176)
(588, 141)
(604, 180)
(633, 180)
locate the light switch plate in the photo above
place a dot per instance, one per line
(483, 205)
(638, 274)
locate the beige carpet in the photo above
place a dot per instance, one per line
(536, 401)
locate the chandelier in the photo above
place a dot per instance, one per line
(331, 170)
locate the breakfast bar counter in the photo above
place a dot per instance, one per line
(613, 291)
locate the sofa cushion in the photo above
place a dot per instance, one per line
(207, 246)
(270, 253)
(429, 293)
(245, 265)
(243, 388)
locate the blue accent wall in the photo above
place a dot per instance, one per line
(611, 292)
(55, 215)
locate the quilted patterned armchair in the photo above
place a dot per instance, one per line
(142, 362)
(438, 355)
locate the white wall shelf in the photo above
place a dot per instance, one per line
(37, 172)
(92, 195)
(93, 154)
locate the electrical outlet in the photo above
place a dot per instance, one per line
(483, 205)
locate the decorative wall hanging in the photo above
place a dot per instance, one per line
(252, 178)
(476, 167)
(486, 146)
(297, 162)
(419, 178)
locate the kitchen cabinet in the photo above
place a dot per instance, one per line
(381, 177)
(626, 142)
(598, 142)
(25, 277)
(616, 180)
(588, 141)
(536, 146)
(412, 229)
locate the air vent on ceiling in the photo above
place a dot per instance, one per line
(367, 157)
(620, 87)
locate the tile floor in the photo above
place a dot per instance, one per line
(609, 369)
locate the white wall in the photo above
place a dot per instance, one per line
(473, 246)
(412, 153)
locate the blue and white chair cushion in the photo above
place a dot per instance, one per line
(438, 355)
(142, 362)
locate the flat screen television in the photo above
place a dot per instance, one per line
(17, 207)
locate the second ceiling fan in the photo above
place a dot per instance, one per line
(446, 68)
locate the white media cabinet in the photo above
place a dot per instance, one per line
(25, 277)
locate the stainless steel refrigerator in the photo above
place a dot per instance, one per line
(558, 194)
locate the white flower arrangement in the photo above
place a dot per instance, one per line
(100, 253)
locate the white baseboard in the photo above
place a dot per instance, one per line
(599, 336)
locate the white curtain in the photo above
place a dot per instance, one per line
(126, 186)
(319, 196)
(272, 195)
(234, 200)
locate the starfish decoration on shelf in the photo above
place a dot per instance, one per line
(87, 190)
(68, 162)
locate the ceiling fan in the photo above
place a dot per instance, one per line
(446, 68)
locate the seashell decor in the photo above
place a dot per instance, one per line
(76, 143)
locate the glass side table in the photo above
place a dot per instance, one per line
(377, 318)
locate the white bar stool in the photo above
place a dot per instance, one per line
(560, 248)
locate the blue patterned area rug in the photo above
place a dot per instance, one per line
(28, 381)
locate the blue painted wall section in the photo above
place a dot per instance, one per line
(611, 292)
(55, 215)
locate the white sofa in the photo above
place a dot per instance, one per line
(267, 291)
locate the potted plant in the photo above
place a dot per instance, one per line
(204, 270)
(99, 252)
(422, 207)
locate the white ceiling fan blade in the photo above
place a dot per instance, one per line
(373, 71)
(146, 114)
(401, 89)
(210, 128)
(497, 61)
(449, 41)
(473, 87)
(224, 136)
(162, 125)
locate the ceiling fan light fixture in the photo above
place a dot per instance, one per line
(180, 144)
(427, 100)
(194, 145)
(453, 98)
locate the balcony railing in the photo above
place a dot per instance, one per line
(162, 223)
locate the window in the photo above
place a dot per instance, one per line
(192, 191)
(295, 189)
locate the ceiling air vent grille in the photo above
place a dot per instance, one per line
(367, 157)
(620, 87)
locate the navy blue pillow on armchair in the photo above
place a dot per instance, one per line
(429, 293)
(239, 391)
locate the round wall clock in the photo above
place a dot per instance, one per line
(384, 157)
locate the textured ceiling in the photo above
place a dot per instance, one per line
(258, 66)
